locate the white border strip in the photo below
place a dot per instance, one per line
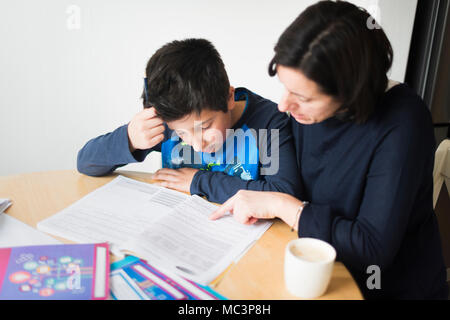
(100, 274)
(177, 294)
(121, 282)
(189, 286)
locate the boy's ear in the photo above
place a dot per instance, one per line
(231, 99)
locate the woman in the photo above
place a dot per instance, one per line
(365, 149)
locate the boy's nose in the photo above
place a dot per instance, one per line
(198, 145)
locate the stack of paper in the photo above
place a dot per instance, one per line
(4, 204)
(169, 229)
(16, 233)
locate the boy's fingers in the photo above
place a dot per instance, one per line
(155, 131)
(155, 140)
(227, 206)
(168, 171)
(166, 184)
(148, 113)
(165, 177)
(152, 123)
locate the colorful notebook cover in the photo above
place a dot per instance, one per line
(134, 279)
(55, 272)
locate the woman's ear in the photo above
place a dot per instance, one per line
(231, 99)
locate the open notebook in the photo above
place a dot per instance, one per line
(169, 229)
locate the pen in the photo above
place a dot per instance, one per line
(185, 270)
(146, 90)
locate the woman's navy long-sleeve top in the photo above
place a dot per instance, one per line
(370, 190)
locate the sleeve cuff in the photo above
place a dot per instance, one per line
(315, 222)
(196, 182)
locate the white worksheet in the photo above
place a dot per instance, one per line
(169, 229)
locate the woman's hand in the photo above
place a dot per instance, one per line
(249, 206)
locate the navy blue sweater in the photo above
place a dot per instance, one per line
(217, 180)
(370, 188)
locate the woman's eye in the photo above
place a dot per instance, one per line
(304, 100)
(207, 127)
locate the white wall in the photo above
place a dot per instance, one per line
(60, 86)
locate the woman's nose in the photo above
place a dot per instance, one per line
(285, 103)
(282, 106)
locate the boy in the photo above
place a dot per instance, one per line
(214, 139)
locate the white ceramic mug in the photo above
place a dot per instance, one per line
(308, 266)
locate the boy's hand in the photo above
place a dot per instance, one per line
(179, 179)
(145, 130)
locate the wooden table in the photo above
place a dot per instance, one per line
(257, 275)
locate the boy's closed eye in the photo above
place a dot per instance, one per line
(207, 126)
(204, 126)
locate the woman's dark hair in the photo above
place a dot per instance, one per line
(186, 76)
(337, 45)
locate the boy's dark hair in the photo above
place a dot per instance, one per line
(184, 77)
(333, 44)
